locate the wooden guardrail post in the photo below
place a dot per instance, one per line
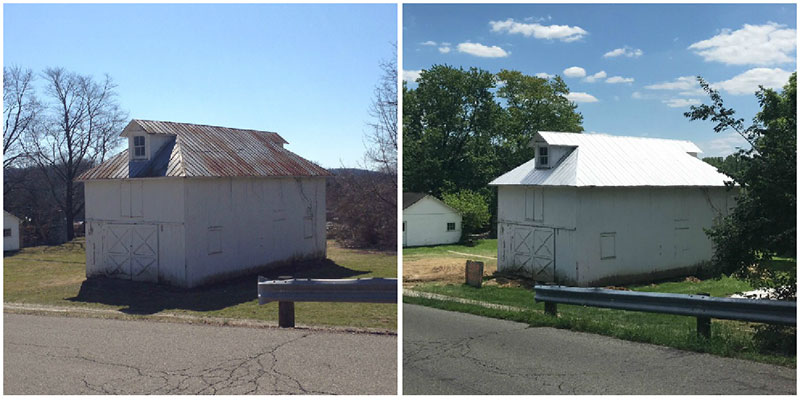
(551, 308)
(286, 314)
(704, 323)
(285, 310)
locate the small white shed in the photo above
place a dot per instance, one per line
(595, 209)
(429, 221)
(190, 204)
(11, 236)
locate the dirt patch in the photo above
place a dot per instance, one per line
(438, 269)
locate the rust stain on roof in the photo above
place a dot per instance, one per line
(212, 151)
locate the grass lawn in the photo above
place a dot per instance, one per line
(483, 247)
(729, 338)
(55, 275)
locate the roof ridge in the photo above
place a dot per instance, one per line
(588, 134)
(207, 125)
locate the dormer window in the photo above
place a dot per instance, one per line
(138, 147)
(542, 156)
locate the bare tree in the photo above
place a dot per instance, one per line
(382, 140)
(80, 125)
(20, 110)
(367, 203)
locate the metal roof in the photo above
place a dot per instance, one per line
(207, 151)
(606, 160)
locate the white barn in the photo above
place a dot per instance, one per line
(191, 204)
(11, 236)
(593, 209)
(429, 221)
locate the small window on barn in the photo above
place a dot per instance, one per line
(138, 147)
(214, 239)
(543, 156)
(451, 226)
(608, 245)
(6, 232)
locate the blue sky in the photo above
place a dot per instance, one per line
(305, 71)
(629, 67)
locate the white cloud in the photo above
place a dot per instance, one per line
(411, 75)
(543, 75)
(636, 95)
(619, 79)
(575, 72)
(679, 103)
(680, 83)
(444, 49)
(599, 75)
(747, 82)
(564, 33)
(429, 43)
(724, 145)
(624, 51)
(480, 50)
(581, 97)
(767, 44)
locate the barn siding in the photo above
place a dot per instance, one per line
(241, 224)
(652, 231)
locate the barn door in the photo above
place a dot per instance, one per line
(131, 252)
(533, 251)
(543, 263)
(144, 253)
(521, 248)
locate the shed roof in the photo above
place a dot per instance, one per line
(606, 160)
(8, 214)
(207, 151)
(409, 198)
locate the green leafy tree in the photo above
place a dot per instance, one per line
(463, 128)
(472, 206)
(449, 123)
(763, 224)
(531, 104)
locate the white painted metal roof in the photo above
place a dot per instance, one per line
(605, 160)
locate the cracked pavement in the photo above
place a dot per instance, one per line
(62, 355)
(453, 353)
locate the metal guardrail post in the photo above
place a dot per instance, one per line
(551, 308)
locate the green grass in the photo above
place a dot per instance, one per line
(483, 247)
(55, 275)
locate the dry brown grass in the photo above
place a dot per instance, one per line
(440, 269)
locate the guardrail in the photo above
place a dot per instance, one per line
(288, 291)
(701, 306)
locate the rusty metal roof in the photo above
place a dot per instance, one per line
(209, 151)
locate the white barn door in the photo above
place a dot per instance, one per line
(533, 251)
(131, 252)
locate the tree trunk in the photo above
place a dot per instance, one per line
(68, 211)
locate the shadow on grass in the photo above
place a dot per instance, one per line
(150, 298)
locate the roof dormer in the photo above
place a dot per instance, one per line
(542, 156)
(143, 145)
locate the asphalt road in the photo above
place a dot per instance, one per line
(60, 355)
(453, 353)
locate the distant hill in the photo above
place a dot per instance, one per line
(354, 171)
